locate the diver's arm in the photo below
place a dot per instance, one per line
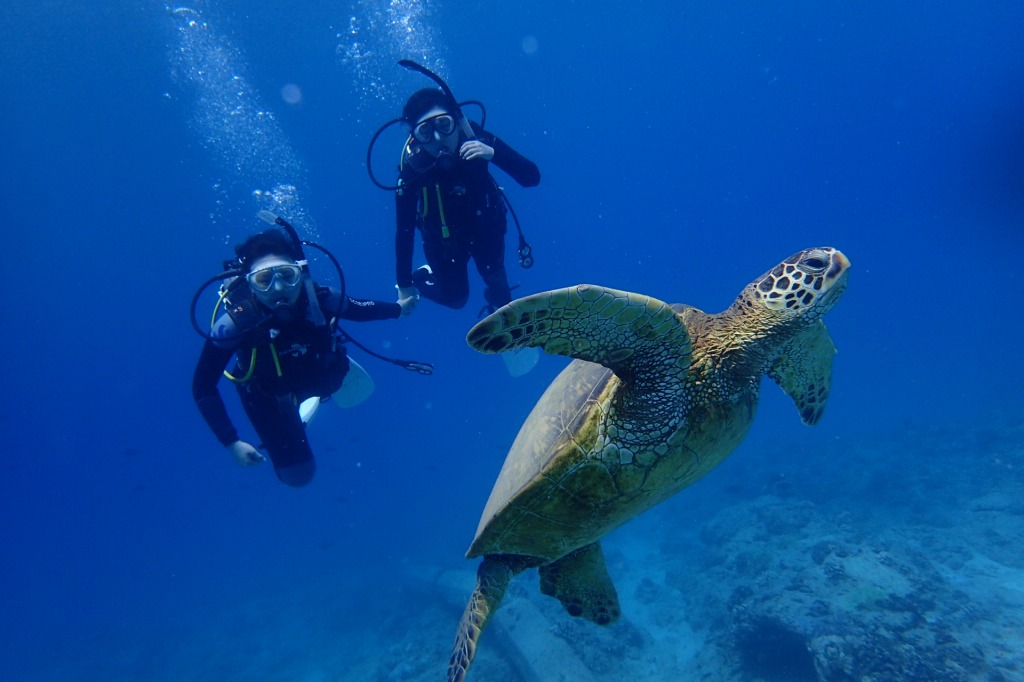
(359, 309)
(209, 368)
(365, 310)
(405, 234)
(519, 168)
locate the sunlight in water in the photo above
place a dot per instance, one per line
(242, 136)
(381, 32)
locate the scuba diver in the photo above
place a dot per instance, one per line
(446, 190)
(281, 326)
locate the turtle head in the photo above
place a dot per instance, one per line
(806, 285)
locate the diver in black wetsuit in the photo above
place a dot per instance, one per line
(287, 352)
(446, 189)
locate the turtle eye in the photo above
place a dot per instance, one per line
(814, 263)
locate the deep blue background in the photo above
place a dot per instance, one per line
(685, 148)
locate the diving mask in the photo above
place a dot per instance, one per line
(442, 125)
(290, 274)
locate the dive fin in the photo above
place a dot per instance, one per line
(357, 386)
(521, 361)
(308, 408)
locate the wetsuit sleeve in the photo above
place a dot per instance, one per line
(405, 233)
(366, 310)
(519, 168)
(358, 309)
(212, 362)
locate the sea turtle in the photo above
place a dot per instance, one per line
(656, 397)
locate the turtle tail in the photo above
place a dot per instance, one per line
(492, 578)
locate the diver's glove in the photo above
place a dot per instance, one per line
(408, 297)
(475, 149)
(245, 454)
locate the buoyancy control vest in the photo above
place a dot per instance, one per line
(298, 357)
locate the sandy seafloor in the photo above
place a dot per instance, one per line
(864, 564)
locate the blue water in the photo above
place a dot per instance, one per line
(685, 148)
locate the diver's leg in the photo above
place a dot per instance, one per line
(277, 422)
(488, 250)
(448, 283)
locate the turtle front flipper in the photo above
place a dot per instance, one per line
(631, 334)
(803, 368)
(581, 582)
(491, 581)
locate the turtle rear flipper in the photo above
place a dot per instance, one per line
(638, 337)
(581, 582)
(804, 370)
(491, 581)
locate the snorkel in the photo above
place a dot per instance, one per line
(456, 107)
(467, 129)
(525, 251)
(233, 277)
(445, 159)
(315, 314)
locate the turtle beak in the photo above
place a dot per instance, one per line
(840, 264)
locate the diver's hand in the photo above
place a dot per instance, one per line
(408, 297)
(475, 149)
(245, 454)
